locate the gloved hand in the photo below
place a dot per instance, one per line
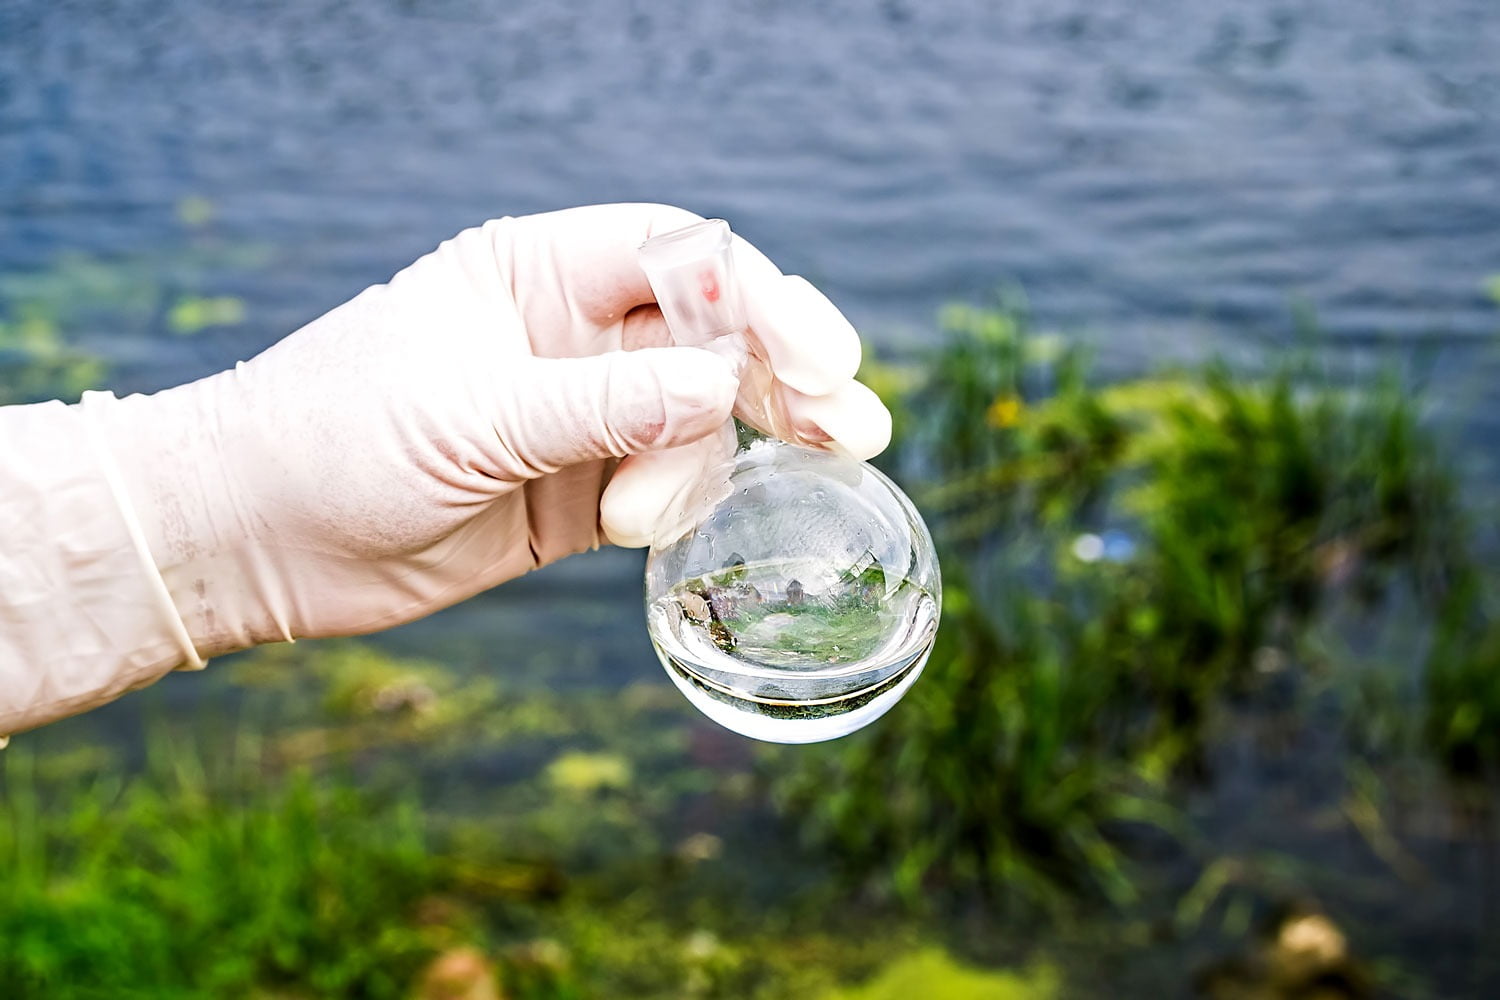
(455, 428)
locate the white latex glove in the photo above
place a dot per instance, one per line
(427, 440)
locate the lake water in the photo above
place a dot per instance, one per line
(1156, 174)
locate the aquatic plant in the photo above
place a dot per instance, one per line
(38, 361)
(57, 323)
(1462, 720)
(1127, 559)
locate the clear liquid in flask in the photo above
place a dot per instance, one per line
(764, 653)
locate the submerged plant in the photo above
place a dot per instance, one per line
(56, 323)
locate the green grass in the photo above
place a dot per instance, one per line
(1069, 694)
(933, 975)
(173, 883)
(332, 842)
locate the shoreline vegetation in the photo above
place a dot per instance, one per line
(1214, 710)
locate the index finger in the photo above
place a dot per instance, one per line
(587, 259)
(809, 343)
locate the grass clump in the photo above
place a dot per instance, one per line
(1462, 718)
(935, 975)
(167, 884)
(1128, 562)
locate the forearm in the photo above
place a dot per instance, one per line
(84, 614)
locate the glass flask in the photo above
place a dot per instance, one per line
(792, 594)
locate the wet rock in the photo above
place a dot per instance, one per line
(699, 847)
(403, 697)
(722, 603)
(695, 606)
(459, 974)
(1301, 955)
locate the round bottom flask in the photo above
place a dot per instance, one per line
(802, 602)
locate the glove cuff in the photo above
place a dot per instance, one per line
(83, 615)
(168, 615)
(166, 461)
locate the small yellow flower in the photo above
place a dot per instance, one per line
(1004, 412)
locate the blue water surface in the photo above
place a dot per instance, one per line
(1161, 175)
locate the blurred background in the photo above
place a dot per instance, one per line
(1188, 314)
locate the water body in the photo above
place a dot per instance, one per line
(1159, 174)
(1167, 177)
